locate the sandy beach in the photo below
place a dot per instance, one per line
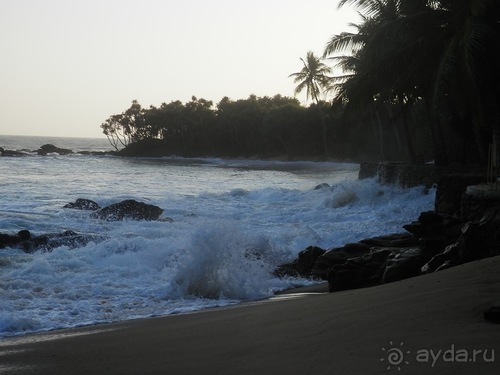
(430, 324)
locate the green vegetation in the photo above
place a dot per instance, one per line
(428, 68)
(254, 127)
(418, 80)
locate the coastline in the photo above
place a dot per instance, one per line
(321, 333)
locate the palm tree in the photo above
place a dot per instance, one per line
(468, 74)
(313, 77)
(372, 76)
(442, 52)
(387, 62)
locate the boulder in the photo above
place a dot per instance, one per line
(50, 149)
(337, 256)
(450, 255)
(9, 240)
(403, 263)
(128, 209)
(83, 204)
(303, 265)
(358, 272)
(352, 274)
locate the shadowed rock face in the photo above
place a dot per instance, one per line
(128, 209)
(435, 241)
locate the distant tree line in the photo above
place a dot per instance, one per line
(265, 127)
(419, 81)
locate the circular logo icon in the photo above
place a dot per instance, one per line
(395, 356)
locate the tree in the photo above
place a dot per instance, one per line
(468, 76)
(441, 52)
(313, 77)
(125, 128)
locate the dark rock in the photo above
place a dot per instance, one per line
(145, 147)
(83, 204)
(367, 170)
(448, 264)
(4, 152)
(8, 240)
(420, 230)
(492, 315)
(49, 149)
(128, 209)
(408, 175)
(430, 218)
(303, 265)
(48, 242)
(479, 239)
(450, 254)
(394, 240)
(431, 226)
(322, 186)
(450, 189)
(25, 241)
(24, 234)
(434, 245)
(361, 271)
(337, 256)
(403, 263)
(437, 240)
(349, 275)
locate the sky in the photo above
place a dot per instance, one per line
(67, 65)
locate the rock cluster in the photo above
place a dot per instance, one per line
(433, 242)
(127, 209)
(49, 149)
(30, 243)
(4, 152)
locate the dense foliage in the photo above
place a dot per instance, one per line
(432, 60)
(263, 127)
(253, 127)
(419, 82)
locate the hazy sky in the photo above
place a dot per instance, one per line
(67, 65)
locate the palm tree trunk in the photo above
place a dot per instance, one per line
(437, 137)
(324, 134)
(406, 131)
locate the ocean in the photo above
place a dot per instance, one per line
(232, 223)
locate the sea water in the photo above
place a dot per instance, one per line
(229, 224)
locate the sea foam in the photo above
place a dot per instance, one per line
(232, 223)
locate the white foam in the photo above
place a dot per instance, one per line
(231, 228)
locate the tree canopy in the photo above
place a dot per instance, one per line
(430, 56)
(415, 80)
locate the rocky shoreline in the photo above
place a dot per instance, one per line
(464, 226)
(50, 149)
(125, 210)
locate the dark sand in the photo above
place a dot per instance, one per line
(308, 333)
